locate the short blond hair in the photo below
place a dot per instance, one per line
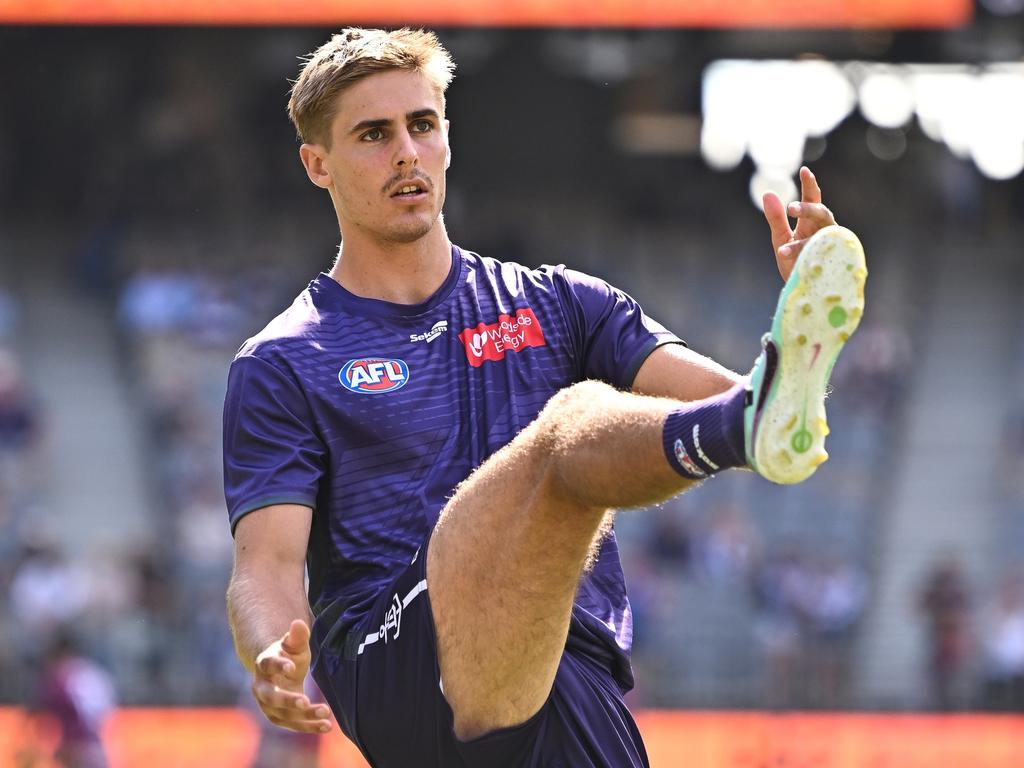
(352, 55)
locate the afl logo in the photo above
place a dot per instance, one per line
(373, 375)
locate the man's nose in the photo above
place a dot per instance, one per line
(405, 152)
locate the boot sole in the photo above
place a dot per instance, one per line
(819, 309)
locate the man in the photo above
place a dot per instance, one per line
(79, 695)
(426, 416)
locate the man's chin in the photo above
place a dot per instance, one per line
(410, 232)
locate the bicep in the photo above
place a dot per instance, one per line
(613, 334)
(272, 540)
(673, 370)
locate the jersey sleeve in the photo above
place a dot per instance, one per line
(612, 334)
(272, 452)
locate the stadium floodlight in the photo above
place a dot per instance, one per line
(762, 182)
(887, 99)
(976, 111)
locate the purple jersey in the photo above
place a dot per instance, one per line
(372, 413)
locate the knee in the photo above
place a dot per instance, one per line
(570, 416)
(571, 405)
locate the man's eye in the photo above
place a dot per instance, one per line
(422, 126)
(374, 134)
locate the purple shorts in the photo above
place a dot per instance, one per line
(382, 682)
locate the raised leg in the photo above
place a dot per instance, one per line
(508, 551)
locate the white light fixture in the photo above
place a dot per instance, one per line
(977, 111)
(886, 99)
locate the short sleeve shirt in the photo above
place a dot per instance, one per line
(371, 413)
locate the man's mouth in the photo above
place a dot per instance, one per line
(409, 190)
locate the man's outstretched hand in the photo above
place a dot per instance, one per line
(277, 683)
(810, 214)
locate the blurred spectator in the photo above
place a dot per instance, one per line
(155, 616)
(727, 544)
(779, 583)
(46, 592)
(204, 541)
(210, 647)
(157, 302)
(1002, 640)
(833, 607)
(1011, 456)
(141, 639)
(18, 419)
(8, 314)
(667, 543)
(872, 374)
(945, 605)
(20, 433)
(79, 694)
(218, 319)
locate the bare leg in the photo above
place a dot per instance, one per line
(509, 548)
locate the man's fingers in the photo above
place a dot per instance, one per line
(790, 251)
(302, 726)
(268, 666)
(306, 723)
(810, 192)
(775, 213)
(273, 698)
(291, 710)
(289, 656)
(815, 212)
(296, 641)
(286, 715)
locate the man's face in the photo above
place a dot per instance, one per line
(389, 135)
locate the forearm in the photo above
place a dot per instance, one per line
(260, 610)
(680, 373)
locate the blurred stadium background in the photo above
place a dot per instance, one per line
(153, 214)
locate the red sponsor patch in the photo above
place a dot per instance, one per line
(511, 333)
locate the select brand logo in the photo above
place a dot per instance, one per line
(441, 326)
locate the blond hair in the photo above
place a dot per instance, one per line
(352, 55)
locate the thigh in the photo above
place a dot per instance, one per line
(503, 565)
(388, 692)
(385, 689)
(583, 724)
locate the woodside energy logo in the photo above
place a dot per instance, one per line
(510, 333)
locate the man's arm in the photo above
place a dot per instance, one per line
(673, 370)
(269, 613)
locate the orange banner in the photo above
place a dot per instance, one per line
(228, 738)
(520, 13)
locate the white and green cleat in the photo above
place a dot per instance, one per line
(819, 309)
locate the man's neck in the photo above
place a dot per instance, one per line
(402, 273)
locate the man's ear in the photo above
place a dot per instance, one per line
(447, 146)
(314, 158)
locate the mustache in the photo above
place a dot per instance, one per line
(400, 177)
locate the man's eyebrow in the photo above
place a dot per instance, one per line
(363, 125)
